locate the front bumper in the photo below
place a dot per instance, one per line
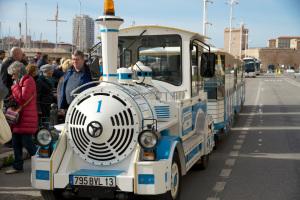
(150, 178)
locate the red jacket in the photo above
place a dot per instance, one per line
(22, 91)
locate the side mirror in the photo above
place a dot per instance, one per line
(208, 62)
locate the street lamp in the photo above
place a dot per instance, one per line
(205, 22)
(231, 3)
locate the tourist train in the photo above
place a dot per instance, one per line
(149, 120)
(226, 91)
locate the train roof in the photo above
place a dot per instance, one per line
(157, 29)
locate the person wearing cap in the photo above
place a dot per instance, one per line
(77, 75)
(45, 88)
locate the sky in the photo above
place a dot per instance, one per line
(265, 19)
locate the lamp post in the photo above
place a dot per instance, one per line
(231, 3)
(205, 22)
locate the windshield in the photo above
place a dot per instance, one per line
(162, 53)
(249, 67)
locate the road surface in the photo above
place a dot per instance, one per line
(258, 160)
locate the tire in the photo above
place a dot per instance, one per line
(170, 195)
(174, 193)
(202, 163)
(52, 195)
(217, 141)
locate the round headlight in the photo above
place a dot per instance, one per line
(148, 139)
(44, 137)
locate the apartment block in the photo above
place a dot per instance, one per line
(83, 32)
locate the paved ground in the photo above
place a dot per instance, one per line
(258, 160)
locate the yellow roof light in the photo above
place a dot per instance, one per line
(109, 8)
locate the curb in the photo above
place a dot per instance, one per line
(7, 158)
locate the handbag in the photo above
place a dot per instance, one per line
(5, 132)
(12, 114)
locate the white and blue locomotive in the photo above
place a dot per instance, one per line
(140, 129)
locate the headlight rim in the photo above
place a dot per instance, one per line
(38, 140)
(140, 137)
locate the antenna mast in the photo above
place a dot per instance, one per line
(56, 20)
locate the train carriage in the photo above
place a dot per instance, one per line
(141, 128)
(226, 91)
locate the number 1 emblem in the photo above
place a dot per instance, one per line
(99, 106)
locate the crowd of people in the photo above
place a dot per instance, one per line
(34, 85)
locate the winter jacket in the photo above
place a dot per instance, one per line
(6, 78)
(45, 96)
(84, 78)
(22, 92)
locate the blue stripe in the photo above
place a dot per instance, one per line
(186, 131)
(193, 153)
(187, 109)
(146, 179)
(110, 75)
(219, 126)
(125, 76)
(144, 74)
(109, 30)
(42, 175)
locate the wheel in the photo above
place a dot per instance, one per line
(174, 193)
(217, 141)
(52, 195)
(202, 163)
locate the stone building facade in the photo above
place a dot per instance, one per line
(276, 56)
(280, 57)
(239, 41)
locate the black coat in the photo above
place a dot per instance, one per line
(6, 78)
(45, 96)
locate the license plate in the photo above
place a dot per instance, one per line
(94, 181)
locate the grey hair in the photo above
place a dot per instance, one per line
(16, 67)
(15, 50)
(78, 53)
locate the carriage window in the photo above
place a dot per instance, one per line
(196, 79)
